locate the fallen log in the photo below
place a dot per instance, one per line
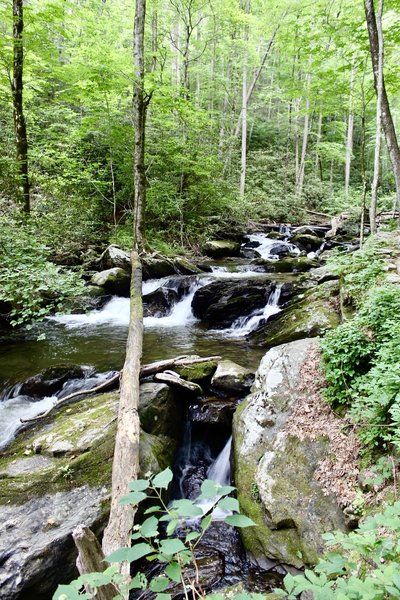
(145, 371)
(172, 378)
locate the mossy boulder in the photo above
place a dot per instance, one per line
(185, 267)
(115, 281)
(221, 248)
(115, 257)
(288, 264)
(306, 241)
(310, 315)
(54, 476)
(160, 411)
(200, 373)
(274, 471)
(155, 267)
(232, 379)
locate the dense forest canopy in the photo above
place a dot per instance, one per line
(311, 112)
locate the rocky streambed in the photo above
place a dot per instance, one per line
(271, 294)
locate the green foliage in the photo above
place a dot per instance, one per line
(362, 565)
(31, 286)
(153, 541)
(361, 357)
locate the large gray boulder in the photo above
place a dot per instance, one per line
(56, 476)
(221, 248)
(220, 303)
(274, 470)
(115, 281)
(115, 257)
(232, 379)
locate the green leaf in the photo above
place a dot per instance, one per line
(159, 584)
(171, 527)
(172, 546)
(239, 521)
(139, 582)
(206, 522)
(149, 527)
(152, 509)
(193, 535)
(229, 504)
(130, 554)
(163, 597)
(132, 498)
(186, 508)
(209, 489)
(174, 572)
(140, 485)
(163, 479)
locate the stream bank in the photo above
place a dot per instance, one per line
(267, 295)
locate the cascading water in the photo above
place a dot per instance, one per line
(17, 405)
(265, 245)
(244, 325)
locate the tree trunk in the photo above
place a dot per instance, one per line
(387, 119)
(17, 97)
(300, 178)
(244, 114)
(350, 129)
(378, 78)
(91, 559)
(126, 454)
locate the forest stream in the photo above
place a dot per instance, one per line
(96, 342)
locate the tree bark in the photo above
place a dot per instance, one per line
(300, 178)
(387, 119)
(378, 78)
(126, 454)
(91, 559)
(243, 161)
(17, 97)
(350, 129)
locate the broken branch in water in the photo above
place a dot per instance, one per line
(145, 371)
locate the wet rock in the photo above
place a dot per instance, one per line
(156, 267)
(213, 411)
(50, 381)
(200, 373)
(160, 411)
(220, 248)
(274, 471)
(115, 281)
(289, 264)
(221, 302)
(115, 257)
(322, 275)
(76, 446)
(232, 379)
(159, 303)
(307, 242)
(185, 267)
(310, 315)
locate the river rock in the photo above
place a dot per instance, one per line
(116, 281)
(185, 267)
(231, 379)
(221, 248)
(307, 242)
(213, 411)
(159, 303)
(44, 494)
(274, 471)
(288, 264)
(309, 315)
(50, 381)
(160, 411)
(155, 267)
(200, 373)
(220, 303)
(115, 257)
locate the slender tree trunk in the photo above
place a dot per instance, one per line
(378, 77)
(126, 454)
(387, 119)
(154, 39)
(350, 129)
(244, 114)
(17, 96)
(300, 179)
(318, 162)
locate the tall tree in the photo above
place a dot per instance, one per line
(126, 453)
(387, 119)
(17, 87)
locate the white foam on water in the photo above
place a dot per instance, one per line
(266, 244)
(116, 311)
(12, 410)
(220, 472)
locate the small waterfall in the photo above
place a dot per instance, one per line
(116, 311)
(243, 325)
(220, 470)
(266, 244)
(19, 406)
(316, 253)
(284, 230)
(181, 313)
